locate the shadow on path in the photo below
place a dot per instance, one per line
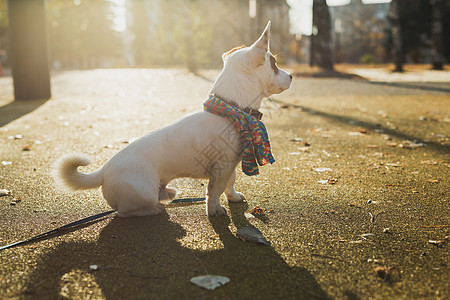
(329, 74)
(17, 109)
(141, 258)
(424, 86)
(383, 129)
(443, 87)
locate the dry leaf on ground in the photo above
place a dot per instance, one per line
(210, 282)
(253, 235)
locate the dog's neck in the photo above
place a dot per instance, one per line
(240, 90)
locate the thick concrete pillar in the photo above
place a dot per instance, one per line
(29, 49)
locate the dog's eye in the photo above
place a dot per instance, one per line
(273, 64)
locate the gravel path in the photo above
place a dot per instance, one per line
(356, 205)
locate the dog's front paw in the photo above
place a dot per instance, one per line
(236, 197)
(216, 210)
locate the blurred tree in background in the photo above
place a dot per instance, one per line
(81, 34)
(170, 32)
(322, 54)
(360, 32)
(416, 23)
(194, 33)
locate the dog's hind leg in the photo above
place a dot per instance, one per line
(133, 197)
(230, 193)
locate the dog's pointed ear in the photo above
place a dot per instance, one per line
(264, 39)
(259, 49)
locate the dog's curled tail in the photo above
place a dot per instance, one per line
(66, 173)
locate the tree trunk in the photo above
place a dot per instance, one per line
(437, 57)
(29, 49)
(322, 41)
(396, 32)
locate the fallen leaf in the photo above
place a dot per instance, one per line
(329, 181)
(249, 215)
(253, 235)
(439, 243)
(210, 282)
(322, 169)
(257, 211)
(429, 162)
(355, 133)
(27, 147)
(303, 149)
(4, 193)
(366, 235)
(295, 153)
(432, 180)
(397, 165)
(411, 145)
(332, 180)
(356, 242)
(387, 274)
(375, 260)
(297, 140)
(15, 137)
(373, 146)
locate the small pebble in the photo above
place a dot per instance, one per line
(93, 267)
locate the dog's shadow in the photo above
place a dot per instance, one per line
(141, 258)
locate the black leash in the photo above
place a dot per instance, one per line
(86, 220)
(59, 229)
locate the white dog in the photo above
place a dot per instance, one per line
(201, 145)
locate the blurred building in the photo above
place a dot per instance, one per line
(360, 32)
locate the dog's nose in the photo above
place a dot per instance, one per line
(290, 76)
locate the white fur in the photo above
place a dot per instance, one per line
(134, 180)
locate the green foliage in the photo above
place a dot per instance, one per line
(3, 15)
(368, 59)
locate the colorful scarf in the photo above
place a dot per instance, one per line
(255, 139)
